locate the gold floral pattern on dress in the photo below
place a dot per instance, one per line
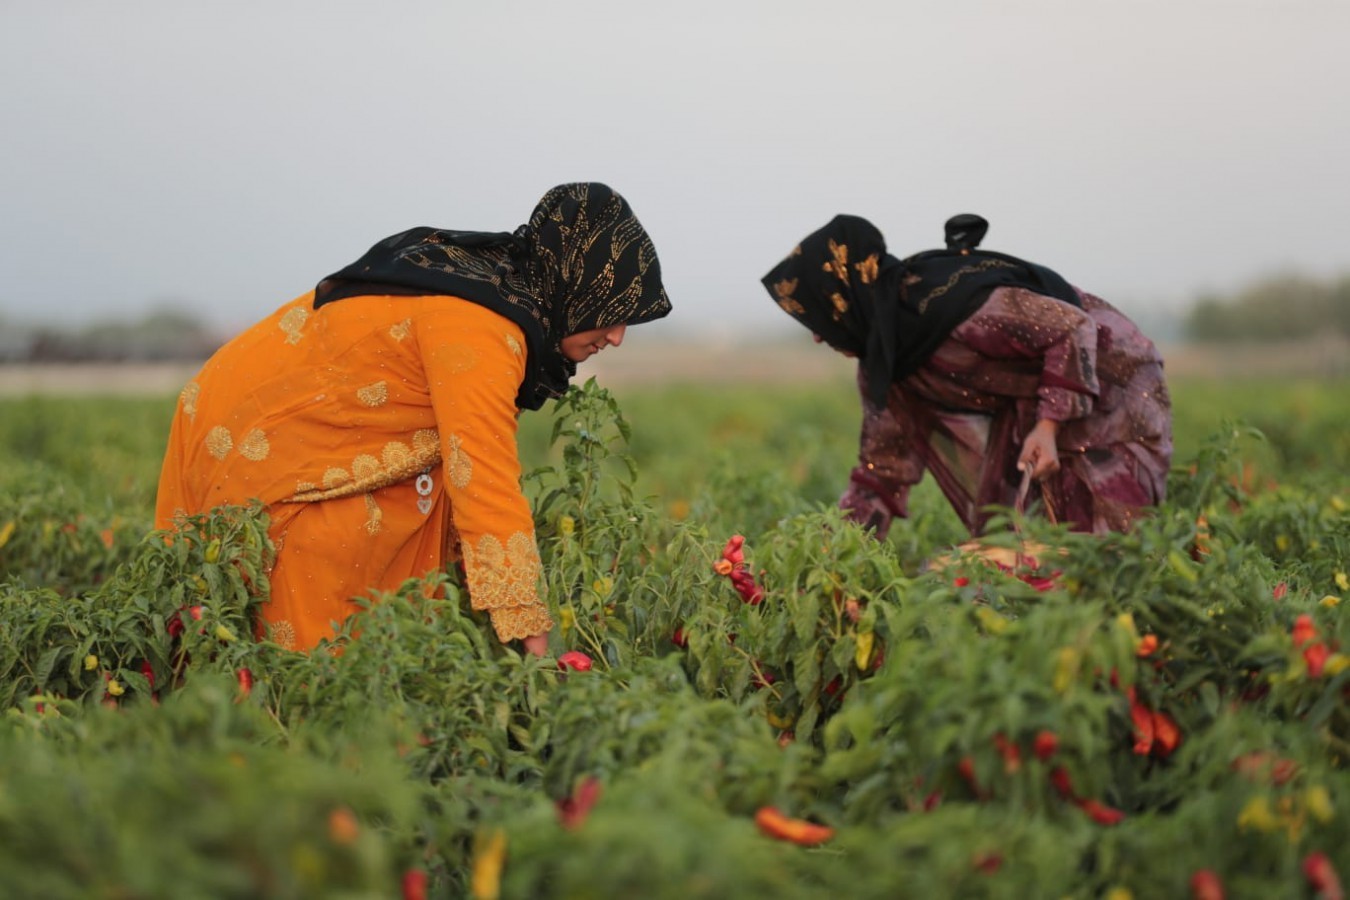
(376, 394)
(426, 441)
(374, 515)
(282, 633)
(784, 289)
(514, 345)
(189, 396)
(458, 358)
(254, 446)
(838, 262)
(293, 323)
(396, 455)
(505, 581)
(840, 305)
(397, 463)
(218, 442)
(867, 269)
(400, 330)
(458, 466)
(366, 468)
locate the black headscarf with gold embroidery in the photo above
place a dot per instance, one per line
(892, 314)
(582, 261)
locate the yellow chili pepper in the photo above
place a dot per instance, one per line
(7, 532)
(90, 663)
(487, 866)
(115, 688)
(1066, 669)
(1318, 803)
(863, 655)
(1258, 814)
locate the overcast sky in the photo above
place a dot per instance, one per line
(220, 157)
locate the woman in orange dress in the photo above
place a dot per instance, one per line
(375, 416)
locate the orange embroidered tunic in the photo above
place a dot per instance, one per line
(334, 418)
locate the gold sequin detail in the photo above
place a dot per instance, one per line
(373, 394)
(459, 464)
(282, 633)
(399, 330)
(191, 392)
(784, 289)
(335, 477)
(219, 442)
(374, 515)
(840, 305)
(514, 344)
(867, 269)
(302, 486)
(838, 264)
(254, 446)
(366, 467)
(293, 323)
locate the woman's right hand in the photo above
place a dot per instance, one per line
(867, 509)
(536, 643)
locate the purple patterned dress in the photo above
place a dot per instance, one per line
(963, 415)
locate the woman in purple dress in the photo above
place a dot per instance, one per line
(987, 371)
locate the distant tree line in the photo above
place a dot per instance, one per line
(158, 337)
(1278, 308)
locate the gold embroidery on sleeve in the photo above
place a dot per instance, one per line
(218, 442)
(191, 392)
(254, 446)
(459, 465)
(293, 323)
(505, 581)
(373, 394)
(515, 622)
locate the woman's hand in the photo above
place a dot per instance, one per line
(536, 643)
(1040, 454)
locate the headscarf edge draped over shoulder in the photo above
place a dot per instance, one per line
(583, 261)
(891, 313)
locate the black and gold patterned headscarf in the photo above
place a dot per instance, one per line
(582, 261)
(892, 314)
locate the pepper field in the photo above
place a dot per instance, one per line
(808, 714)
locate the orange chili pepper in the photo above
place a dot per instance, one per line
(775, 824)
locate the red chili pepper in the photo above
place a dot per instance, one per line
(1166, 734)
(1315, 655)
(1045, 744)
(1059, 777)
(1280, 590)
(573, 810)
(1142, 717)
(575, 659)
(987, 863)
(245, 677)
(785, 828)
(1147, 644)
(414, 885)
(1304, 630)
(679, 639)
(1100, 812)
(1205, 885)
(1322, 877)
(1012, 756)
